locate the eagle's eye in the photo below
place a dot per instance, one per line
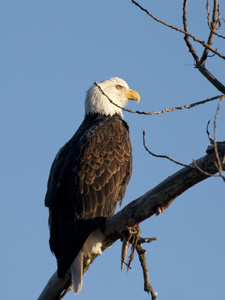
(119, 87)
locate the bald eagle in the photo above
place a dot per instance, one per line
(88, 177)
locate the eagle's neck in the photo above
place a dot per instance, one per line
(96, 102)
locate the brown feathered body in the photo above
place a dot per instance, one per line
(87, 179)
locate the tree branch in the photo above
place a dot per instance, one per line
(179, 30)
(164, 156)
(143, 208)
(211, 78)
(186, 37)
(213, 27)
(147, 286)
(200, 63)
(219, 165)
(186, 106)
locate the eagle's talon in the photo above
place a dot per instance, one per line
(129, 236)
(125, 245)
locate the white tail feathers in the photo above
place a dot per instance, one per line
(77, 272)
(91, 247)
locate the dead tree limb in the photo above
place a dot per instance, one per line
(147, 286)
(160, 197)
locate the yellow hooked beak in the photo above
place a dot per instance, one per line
(131, 95)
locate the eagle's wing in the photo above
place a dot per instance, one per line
(54, 180)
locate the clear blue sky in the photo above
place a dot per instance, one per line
(51, 52)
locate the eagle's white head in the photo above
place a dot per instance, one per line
(116, 89)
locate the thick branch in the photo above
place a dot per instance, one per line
(55, 287)
(211, 78)
(144, 207)
(163, 194)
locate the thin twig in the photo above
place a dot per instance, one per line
(186, 37)
(164, 156)
(219, 35)
(215, 143)
(208, 12)
(207, 132)
(202, 171)
(178, 29)
(188, 106)
(184, 165)
(218, 20)
(147, 286)
(145, 240)
(213, 28)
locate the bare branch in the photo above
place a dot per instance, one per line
(207, 132)
(220, 35)
(164, 156)
(188, 106)
(186, 37)
(147, 286)
(218, 20)
(208, 12)
(179, 30)
(213, 27)
(179, 163)
(215, 143)
(212, 141)
(211, 78)
(204, 172)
